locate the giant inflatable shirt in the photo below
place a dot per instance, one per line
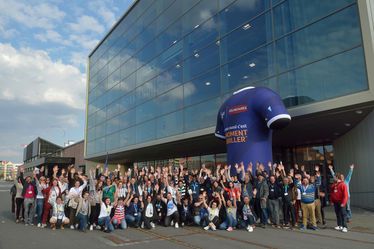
(246, 121)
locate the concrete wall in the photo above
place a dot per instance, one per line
(357, 146)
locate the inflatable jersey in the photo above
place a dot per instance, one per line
(246, 121)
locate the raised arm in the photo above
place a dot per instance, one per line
(349, 175)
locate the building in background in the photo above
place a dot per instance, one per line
(41, 152)
(157, 79)
(6, 169)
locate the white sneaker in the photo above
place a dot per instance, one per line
(176, 225)
(172, 223)
(72, 227)
(91, 227)
(338, 228)
(142, 225)
(76, 226)
(206, 228)
(44, 225)
(250, 229)
(344, 230)
(98, 227)
(214, 227)
(39, 225)
(153, 225)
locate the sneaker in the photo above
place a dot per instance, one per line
(182, 224)
(229, 229)
(345, 230)
(250, 229)
(44, 225)
(62, 227)
(314, 228)
(176, 225)
(76, 226)
(98, 227)
(17, 220)
(72, 227)
(31, 224)
(338, 228)
(302, 228)
(142, 225)
(153, 225)
(39, 225)
(91, 227)
(172, 223)
(206, 228)
(214, 227)
(26, 224)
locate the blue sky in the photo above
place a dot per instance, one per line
(44, 47)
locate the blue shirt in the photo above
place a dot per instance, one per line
(244, 121)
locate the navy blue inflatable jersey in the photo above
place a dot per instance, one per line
(246, 121)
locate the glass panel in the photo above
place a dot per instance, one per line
(127, 119)
(346, 74)
(209, 162)
(112, 141)
(193, 162)
(100, 145)
(127, 102)
(249, 68)
(293, 14)
(169, 79)
(127, 137)
(146, 131)
(170, 101)
(170, 124)
(204, 87)
(248, 37)
(241, 11)
(202, 115)
(146, 111)
(326, 37)
(201, 61)
(221, 159)
(146, 91)
(128, 84)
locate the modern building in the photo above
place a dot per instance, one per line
(157, 79)
(41, 152)
(6, 169)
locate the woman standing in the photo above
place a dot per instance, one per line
(104, 217)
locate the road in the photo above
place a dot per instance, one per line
(13, 236)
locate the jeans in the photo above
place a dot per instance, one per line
(341, 215)
(274, 211)
(288, 212)
(122, 223)
(105, 221)
(229, 222)
(83, 220)
(133, 220)
(349, 212)
(264, 216)
(39, 209)
(20, 208)
(174, 216)
(29, 204)
(249, 222)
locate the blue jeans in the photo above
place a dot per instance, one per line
(198, 221)
(249, 222)
(105, 221)
(133, 220)
(349, 212)
(264, 216)
(39, 209)
(229, 222)
(122, 225)
(83, 219)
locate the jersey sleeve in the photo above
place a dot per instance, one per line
(271, 107)
(220, 129)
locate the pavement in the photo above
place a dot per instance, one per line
(13, 236)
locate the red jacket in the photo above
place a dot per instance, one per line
(339, 193)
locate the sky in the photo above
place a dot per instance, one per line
(44, 46)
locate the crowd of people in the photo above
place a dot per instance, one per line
(225, 198)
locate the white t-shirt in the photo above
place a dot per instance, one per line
(213, 213)
(149, 210)
(105, 210)
(53, 193)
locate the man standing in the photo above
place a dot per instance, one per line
(339, 197)
(29, 193)
(273, 202)
(262, 194)
(307, 204)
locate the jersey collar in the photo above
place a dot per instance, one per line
(243, 89)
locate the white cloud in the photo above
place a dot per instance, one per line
(30, 76)
(85, 24)
(53, 36)
(32, 16)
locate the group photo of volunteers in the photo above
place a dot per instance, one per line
(226, 197)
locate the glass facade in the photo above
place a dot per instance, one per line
(169, 64)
